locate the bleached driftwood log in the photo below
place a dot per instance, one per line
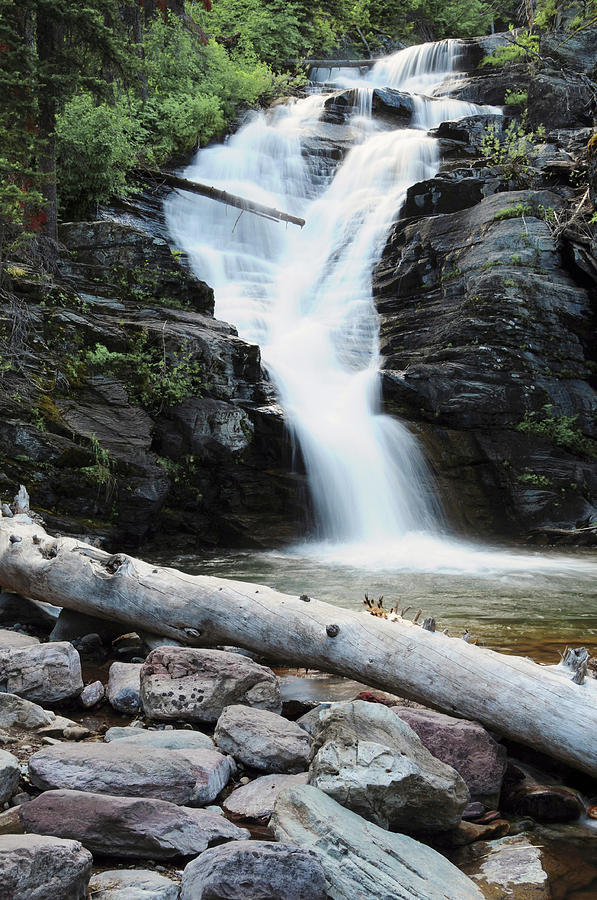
(537, 705)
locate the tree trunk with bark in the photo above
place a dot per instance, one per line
(536, 705)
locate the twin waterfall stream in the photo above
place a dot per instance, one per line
(305, 297)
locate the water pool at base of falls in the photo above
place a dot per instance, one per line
(305, 297)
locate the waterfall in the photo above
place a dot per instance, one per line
(305, 296)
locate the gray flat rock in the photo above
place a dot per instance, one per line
(133, 884)
(15, 712)
(184, 777)
(256, 800)
(361, 860)
(177, 739)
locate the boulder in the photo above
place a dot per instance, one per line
(15, 640)
(116, 732)
(71, 625)
(36, 867)
(124, 686)
(511, 867)
(15, 712)
(92, 694)
(466, 746)
(176, 739)
(256, 799)
(133, 884)
(362, 860)
(372, 762)
(185, 683)
(10, 773)
(127, 827)
(262, 740)
(193, 777)
(254, 869)
(45, 673)
(14, 608)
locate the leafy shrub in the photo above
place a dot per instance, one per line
(559, 430)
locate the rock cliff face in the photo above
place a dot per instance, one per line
(487, 309)
(129, 411)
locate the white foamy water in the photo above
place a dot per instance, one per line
(305, 297)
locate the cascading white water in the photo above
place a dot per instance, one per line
(306, 297)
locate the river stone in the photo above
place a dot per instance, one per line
(186, 683)
(361, 860)
(133, 884)
(262, 740)
(72, 625)
(116, 732)
(466, 746)
(36, 867)
(15, 712)
(372, 762)
(193, 777)
(127, 827)
(92, 694)
(124, 686)
(254, 869)
(256, 799)
(177, 739)
(44, 673)
(14, 608)
(14, 640)
(9, 775)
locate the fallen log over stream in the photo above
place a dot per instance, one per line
(533, 704)
(205, 190)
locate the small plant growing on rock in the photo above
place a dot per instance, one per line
(511, 149)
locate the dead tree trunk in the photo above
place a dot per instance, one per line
(534, 704)
(194, 187)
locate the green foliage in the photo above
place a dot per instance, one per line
(533, 479)
(515, 211)
(516, 98)
(155, 377)
(100, 472)
(524, 50)
(559, 430)
(512, 149)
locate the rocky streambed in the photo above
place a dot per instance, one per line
(134, 770)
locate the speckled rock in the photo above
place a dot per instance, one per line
(36, 867)
(185, 683)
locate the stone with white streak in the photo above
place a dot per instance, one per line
(44, 673)
(133, 884)
(361, 860)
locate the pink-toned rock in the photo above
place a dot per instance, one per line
(125, 826)
(464, 745)
(256, 799)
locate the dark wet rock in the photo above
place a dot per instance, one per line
(254, 869)
(127, 827)
(559, 101)
(362, 860)
(196, 685)
(545, 803)
(35, 867)
(484, 339)
(124, 685)
(133, 884)
(256, 799)
(466, 746)
(369, 760)
(184, 777)
(44, 673)
(262, 740)
(14, 608)
(72, 625)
